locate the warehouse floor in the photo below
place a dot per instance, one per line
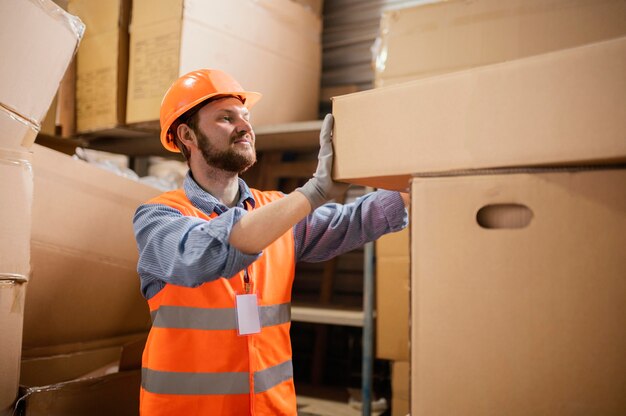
(308, 406)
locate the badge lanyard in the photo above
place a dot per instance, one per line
(247, 306)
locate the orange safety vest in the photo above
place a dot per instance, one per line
(195, 363)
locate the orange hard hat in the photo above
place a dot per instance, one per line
(192, 89)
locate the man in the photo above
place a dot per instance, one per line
(217, 258)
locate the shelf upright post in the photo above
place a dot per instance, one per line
(368, 326)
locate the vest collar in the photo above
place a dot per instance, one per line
(206, 202)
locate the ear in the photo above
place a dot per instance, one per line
(186, 135)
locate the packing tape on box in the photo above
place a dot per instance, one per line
(13, 279)
(72, 22)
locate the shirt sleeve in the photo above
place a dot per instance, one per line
(334, 229)
(185, 251)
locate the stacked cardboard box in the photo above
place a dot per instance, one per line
(269, 47)
(518, 293)
(393, 278)
(15, 224)
(32, 68)
(517, 286)
(392, 296)
(562, 107)
(400, 388)
(38, 40)
(102, 64)
(72, 337)
(449, 36)
(85, 320)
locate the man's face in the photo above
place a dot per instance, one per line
(225, 136)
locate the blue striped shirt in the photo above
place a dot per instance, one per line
(189, 251)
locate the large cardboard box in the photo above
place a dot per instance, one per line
(518, 291)
(12, 291)
(102, 64)
(272, 47)
(452, 35)
(564, 107)
(400, 388)
(83, 253)
(392, 296)
(83, 302)
(38, 40)
(100, 379)
(16, 190)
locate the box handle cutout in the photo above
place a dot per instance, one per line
(504, 216)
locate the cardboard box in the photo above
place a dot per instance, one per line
(91, 381)
(16, 189)
(520, 311)
(83, 253)
(392, 296)
(453, 35)
(113, 394)
(15, 219)
(272, 47)
(102, 64)
(565, 107)
(83, 358)
(400, 388)
(38, 40)
(12, 291)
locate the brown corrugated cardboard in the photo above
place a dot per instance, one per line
(269, 47)
(519, 321)
(49, 123)
(102, 63)
(12, 293)
(83, 304)
(51, 369)
(38, 40)
(393, 245)
(16, 190)
(565, 107)
(113, 394)
(449, 36)
(85, 382)
(400, 388)
(83, 249)
(392, 296)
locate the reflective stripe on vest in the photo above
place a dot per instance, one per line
(166, 382)
(182, 317)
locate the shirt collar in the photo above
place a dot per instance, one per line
(206, 202)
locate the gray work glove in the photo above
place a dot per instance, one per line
(321, 187)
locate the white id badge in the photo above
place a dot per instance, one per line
(248, 321)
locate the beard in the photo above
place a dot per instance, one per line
(230, 160)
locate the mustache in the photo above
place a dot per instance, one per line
(240, 135)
